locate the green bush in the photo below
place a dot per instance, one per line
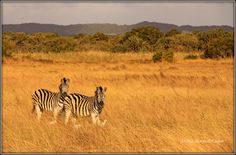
(6, 53)
(119, 48)
(157, 57)
(7, 48)
(191, 56)
(164, 43)
(60, 44)
(172, 32)
(211, 54)
(168, 56)
(185, 42)
(216, 49)
(214, 43)
(99, 37)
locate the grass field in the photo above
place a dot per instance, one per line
(185, 106)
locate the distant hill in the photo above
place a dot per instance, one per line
(105, 28)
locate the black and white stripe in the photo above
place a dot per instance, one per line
(45, 100)
(81, 105)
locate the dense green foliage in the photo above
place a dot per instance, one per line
(167, 55)
(214, 43)
(157, 57)
(191, 56)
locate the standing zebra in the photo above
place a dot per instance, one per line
(82, 105)
(46, 100)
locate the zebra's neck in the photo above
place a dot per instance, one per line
(62, 94)
(61, 97)
(97, 105)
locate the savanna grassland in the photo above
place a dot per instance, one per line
(185, 106)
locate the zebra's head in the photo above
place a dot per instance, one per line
(64, 86)
(100, 95)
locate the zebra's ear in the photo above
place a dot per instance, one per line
(63, 80)
(96, 91)
(105, 89)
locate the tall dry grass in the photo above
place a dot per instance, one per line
(182, 107)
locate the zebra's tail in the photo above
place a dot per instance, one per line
(33, 109)
(34, 100)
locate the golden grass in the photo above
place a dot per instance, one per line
(186, 106)
(83, 57)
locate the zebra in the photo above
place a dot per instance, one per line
(81, 105)
(45, 100)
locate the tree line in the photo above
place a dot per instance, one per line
(215, 43)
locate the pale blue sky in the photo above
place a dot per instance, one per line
(119, 13)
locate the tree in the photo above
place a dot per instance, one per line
(99, 37)
(134, 43)
(164, 43)
(172, 32)
(143, 38)
(185, 42)
(148, 34)
(216, 43)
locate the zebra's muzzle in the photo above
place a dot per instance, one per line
(101, 103)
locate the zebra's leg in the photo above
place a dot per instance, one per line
(104, 122)
(74, 123)
(100, 123)
(94, 118)
(38, 112)
(67, 116)
(55, 112)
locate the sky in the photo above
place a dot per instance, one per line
(195, 14)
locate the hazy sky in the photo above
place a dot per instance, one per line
(119, 13)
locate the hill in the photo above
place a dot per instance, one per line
(104, 28)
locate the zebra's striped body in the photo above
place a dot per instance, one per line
(45, 100)
(81, 105)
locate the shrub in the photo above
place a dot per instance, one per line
(7, 48)
(149, 34)
(119, 48)
(186, 42)
(211, 54)
(6, 53)
(216, 49)
(216, 44)
(157, 57)
(216, 54)
(61, 44)
(134, 43)
(99, 37)
(164, 43)
(172, 32)
(191, 56)
(168, 55)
